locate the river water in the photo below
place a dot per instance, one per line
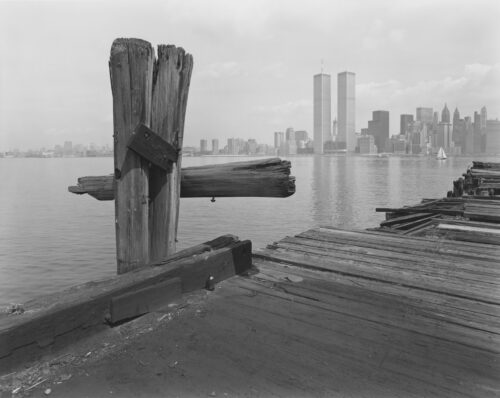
(51, 239)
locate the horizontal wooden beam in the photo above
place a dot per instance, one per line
(61, 317)
(256, 178)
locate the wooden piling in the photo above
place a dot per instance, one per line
(171, 85)
(149, 105)
(131, 71)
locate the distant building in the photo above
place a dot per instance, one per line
(290, 134)
(379, 128)
(233, 146)
(346, 108)
(279, 138)
(252, 146)
(396, 144)
(366, 144)
(215, 146)
(301, 135)
(425, 115)
(445, 115)
(493, 136)
(68, 148)
(203, 146)
(435, 120)
(405, 123)
(322, 110)
(443, 137)
(484, 117)
(478, 139)
(456, 117)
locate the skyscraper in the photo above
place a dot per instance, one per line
(203, 145)
(405, 122)
(278, 139)
(346, 109)
(215, 146)
(445, 115)
(425, 115)
(322, 110)
(484, 117)
(379, 128)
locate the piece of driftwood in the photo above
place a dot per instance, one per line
(63, 316)
(257, 178)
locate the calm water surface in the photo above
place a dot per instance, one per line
(51, 239)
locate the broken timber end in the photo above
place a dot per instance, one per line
(257, 178)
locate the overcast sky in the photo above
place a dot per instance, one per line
(254, 62)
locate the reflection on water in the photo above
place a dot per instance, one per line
(51, 239)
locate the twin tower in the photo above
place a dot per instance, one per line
(345, 139)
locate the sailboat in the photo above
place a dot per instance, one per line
(441, 155)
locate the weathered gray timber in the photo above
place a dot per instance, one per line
(256, 178)
(61, 317)
(147, 93)
(131, 71)
(172, 76)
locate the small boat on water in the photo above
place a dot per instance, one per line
(441, 155)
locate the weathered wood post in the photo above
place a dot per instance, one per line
(150, 93)
(170, 92)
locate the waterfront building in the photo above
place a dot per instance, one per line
(346, 108)
(492, 133)
(425, 115)
(366, 144)
(251, 146)
(406, 121)
(322, 110)
(215, 146)
(233, 146)
(396, 144)
(445, 115)
(68, 148)
(379, 128)
(203, 146)
(279, 138)
(290, 134)
(443, 137)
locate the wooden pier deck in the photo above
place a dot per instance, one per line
(328, 312)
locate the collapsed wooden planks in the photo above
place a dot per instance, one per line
(460, 216)
(432, 306)
(62, 317)
(257, 178)
(481, 179)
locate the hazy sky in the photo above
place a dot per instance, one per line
(253, 62)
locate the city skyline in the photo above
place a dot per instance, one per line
(249, 79)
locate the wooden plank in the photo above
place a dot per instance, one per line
(142, 301)
(255, 178)
(131, 71)
(170, 92)
(84, 307)
(153, 148)
(460, 250)
(404, 219)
